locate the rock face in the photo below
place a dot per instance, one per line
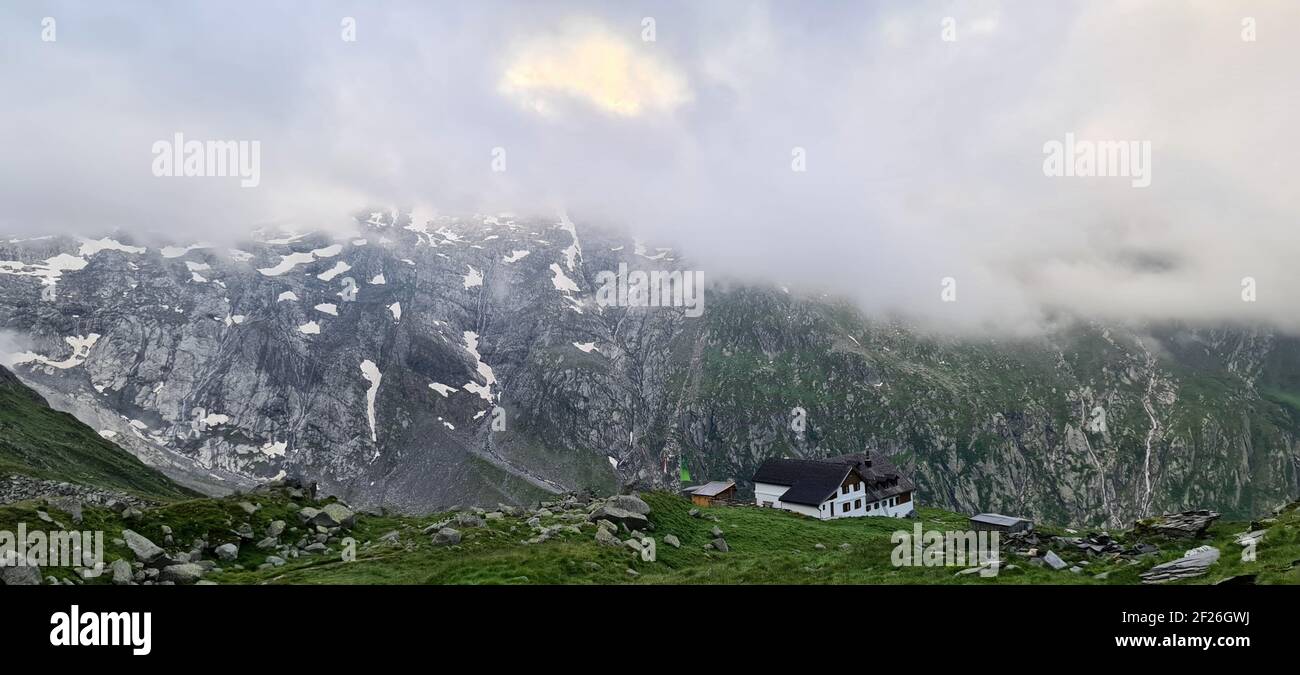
(374, 366)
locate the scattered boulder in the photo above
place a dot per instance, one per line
(275, 529)
(607, 538)
(334, 515)
(145, 551)
(629, 503)
(184, 573)
(672, 540)
(1054, 561)
(446, 537)
(629, 519)
(17, 572)
(1194, 563)
(720, 544)
(228, 552)
(1185, 525)
(465, 519)
(307, 513)
(122, 573)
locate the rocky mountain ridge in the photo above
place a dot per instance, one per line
(426, 362)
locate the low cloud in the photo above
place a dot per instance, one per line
(923, 157)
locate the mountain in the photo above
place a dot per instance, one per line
(42, 443)
(426, 362)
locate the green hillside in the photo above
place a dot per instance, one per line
(766, 546)
(38, 441)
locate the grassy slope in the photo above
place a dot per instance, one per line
(767, 547)
(38, 441)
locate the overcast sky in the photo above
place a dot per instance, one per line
(924, 156)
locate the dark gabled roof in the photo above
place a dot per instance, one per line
(883, 479)
(811, 481)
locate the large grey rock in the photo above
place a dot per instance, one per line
(720, 544)
(446, 537)
(465, 519)
(672, 540)
(17, 572)
(122, 573)
(333, 515)
(1054, 561)
(145, 551)
(1185, 525)
(629, 503)
(275, 529)
(607, 538)
(307, 513)
(1194, 564)
(227, 552)
(629, 519)
(185, 573)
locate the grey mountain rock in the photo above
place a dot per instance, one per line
(425, 362)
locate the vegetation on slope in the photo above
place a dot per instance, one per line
(766, 547)
(38, 441)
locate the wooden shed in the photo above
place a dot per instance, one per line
(996, 522)
(714, 493)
